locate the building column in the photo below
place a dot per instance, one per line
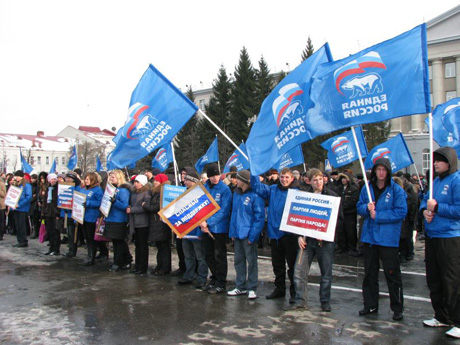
(457, 74)
(439, 92)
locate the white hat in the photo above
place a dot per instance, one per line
(51, 176)
(142, 179)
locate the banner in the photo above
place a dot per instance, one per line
(310, 214)
(78, 211)
(72, 163)
(382, 82)
(65, 195)
(163, 157)
(106, 204)
(212, 155)
(99, 166)
(26, 167)
(341, 149)
(395, 150)
(169, 193)
(290, 159)
(189, 210)
(280, 125)
(157, 111)
(53, 169)
(12, 196)
(237, 160)
(446, 121)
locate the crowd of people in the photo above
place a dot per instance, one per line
(376, 222)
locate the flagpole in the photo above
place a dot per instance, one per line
(430, 183)
(174, 163)
(223, 133)
(361, 164)
(418, 176)
(304, 167)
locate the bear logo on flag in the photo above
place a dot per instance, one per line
(139, 123)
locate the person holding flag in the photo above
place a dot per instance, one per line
(383, 216)
(442, 226)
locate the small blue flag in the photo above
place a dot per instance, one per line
(379, 83)
(163, 157)
(290, 159)
(72, 163)
(446, 121)
(53, 168)
(157, 111)
(395, 150)
(280, 125)
(341, 149)
(99, 166)
(237, 160)
(26, 167)
(212, 155)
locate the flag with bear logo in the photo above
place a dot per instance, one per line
(395, 150)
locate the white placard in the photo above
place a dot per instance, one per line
(106, 204)
(78, 211)
(12, 196)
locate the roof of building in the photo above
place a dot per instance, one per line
(40, 141)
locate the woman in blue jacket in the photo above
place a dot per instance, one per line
(22, 209)
(381, 232)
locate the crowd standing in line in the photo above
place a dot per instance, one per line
(251, 208)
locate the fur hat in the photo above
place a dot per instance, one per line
(212, 170)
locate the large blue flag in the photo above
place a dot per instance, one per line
(72, 163)
(280, 125)
(237, 160)
(446, 121)
(163, 157)
(26, 167)
(290, 159)
(341, 149)
(379, 83)
(99, 166)
(395, 150)
(53, 168)
(212, 155)
(157, 111)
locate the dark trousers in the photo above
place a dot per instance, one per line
(20, 220)
(163, 256)
(141, 240)
(390, 260)
(88, 232)
(442, 260)
(284, 250)
(121, 254)
(180, 254)
(216, 258)
(72, 244)
(349, 236)
(2, 223)
(54, 235)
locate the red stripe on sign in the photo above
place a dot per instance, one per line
(309, 223)
(197, 218)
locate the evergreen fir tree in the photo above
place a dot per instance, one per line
(376, 133)
(308, 51)
(264, 81)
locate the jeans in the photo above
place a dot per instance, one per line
(216, 258)
(20, 219)
(246, 263)
(194, 252)
(324, 252)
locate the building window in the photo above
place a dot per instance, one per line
(430, 72)
(450, 95)
(47, 160)
(39, 160)
(450, 70)
(63, 160)
(425, 160)
(31, 160)
(202, 104)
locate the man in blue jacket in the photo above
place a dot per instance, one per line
(442, 242)
(216, 249)
(22, 210)
(383, 217)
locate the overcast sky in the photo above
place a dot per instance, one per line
(77, 62)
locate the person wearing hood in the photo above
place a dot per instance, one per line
(442, 242)
(348, 191)
(283, 244)
(383, 217)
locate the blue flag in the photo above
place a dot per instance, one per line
(237, 160)
(26, 167)
(446, 121)
(289, 159)
(157, 111)
(72, 163)
(163, 157)
(379, 83)
(212, 155)
(280, 125)
(99, 166)
(341, 149)
(395, 150)
(53, 167)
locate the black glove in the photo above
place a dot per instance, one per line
(84, 204)
(112, 199)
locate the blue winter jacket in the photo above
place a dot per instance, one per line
(25, 199)
(390, 211)
(276, 196)
(194, 235)
(248, 215)
(93, 202)
(117, 212)
(220, 221)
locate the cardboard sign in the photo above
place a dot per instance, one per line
(169, 193)
(310, 214)
(189, 210)
(105, 203)
(65, 195)
(78, 211)
(12, 196)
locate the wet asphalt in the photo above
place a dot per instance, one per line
(56, 300)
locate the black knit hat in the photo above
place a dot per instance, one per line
(212, 170)
(19, 173)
